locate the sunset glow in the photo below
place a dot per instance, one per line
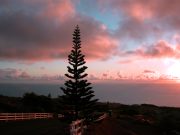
(122, 40)
(174, 70)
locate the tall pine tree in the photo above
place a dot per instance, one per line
(78, 94)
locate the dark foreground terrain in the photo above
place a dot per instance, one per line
(112, 126)
(34, 127)
(138, 120)
(123, 119)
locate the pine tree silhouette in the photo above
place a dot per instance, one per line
(78, 94)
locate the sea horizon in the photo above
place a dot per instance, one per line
(160, 94)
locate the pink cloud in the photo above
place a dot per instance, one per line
(101, 45)
(60, 9)
(125, 61)
(161, 49)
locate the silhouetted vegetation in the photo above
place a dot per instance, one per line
(35, 103)
(30, 102)
(141, 118)
(10, 104)
(78, 94)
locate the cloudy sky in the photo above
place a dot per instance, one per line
(122, 39)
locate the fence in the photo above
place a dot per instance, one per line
(24, 116)
(105, 115)
(76, 128)
(60, 116)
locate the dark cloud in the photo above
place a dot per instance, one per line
(93, 77)
(12, 74)
(149, 71)
(9, 73)
(42, 29)
(42, 68)
(24, 75)
(137, 30)
(145, 18)
(119, 75)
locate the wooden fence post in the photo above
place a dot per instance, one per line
(76, 127)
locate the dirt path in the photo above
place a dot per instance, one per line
(112, 126)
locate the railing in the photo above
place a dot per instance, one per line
(24, 116)
(76, 128)
(105, 115)
(60, 116)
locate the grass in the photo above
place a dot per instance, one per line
(34, 127)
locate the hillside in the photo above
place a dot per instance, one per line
(138, 120)
(122, 120)
(113, 126)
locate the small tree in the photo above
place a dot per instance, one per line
(78, 93)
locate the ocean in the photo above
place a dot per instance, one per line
(161, 94)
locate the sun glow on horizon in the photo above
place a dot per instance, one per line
(174, 70)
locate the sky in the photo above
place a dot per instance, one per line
(121, 39)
